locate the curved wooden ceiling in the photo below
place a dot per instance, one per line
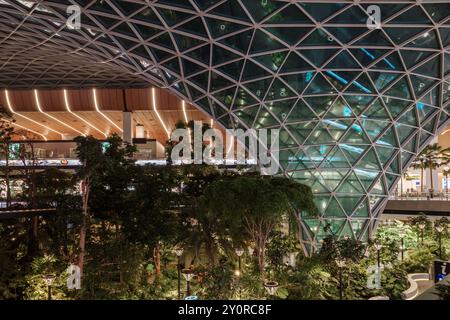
(63, 114)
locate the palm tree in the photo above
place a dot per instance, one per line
(419, 163)
(433, 157)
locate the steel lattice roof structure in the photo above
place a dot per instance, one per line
(354, 104)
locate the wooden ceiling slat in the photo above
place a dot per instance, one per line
(139, 101)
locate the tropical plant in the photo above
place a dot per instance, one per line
(258, 204)
(432, 157)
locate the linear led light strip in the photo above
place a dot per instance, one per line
(66, 100)
(38, 105)
(94, 93)
(22, 127)
(183, 105)
(8, 102)
(157, 113)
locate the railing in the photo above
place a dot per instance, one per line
(439, 196)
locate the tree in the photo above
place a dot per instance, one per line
(419, 163)
(89, 152)
(152, 217)
(6, 132)
(258, 204)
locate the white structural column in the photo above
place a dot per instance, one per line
(434, 173)
(127, 126)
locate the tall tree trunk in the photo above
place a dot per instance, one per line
(83, 228)
(8, 187)
(421, 180)
(261, 255)
(157, 257)
(431, 178)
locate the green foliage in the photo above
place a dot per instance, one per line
(311, 281)
(36, 288)
(218, 282)
(419, 260)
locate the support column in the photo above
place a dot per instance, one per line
(127, 127)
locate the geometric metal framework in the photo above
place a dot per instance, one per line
(354, 105)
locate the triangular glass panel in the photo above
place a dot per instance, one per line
(295, 63)
(395, 106)
(351, 185)
(289, 15)
(290, 35)
(321, 11)
(410, 145)
(361, 85)
(375, 37)
(254, 71)
(366, 177)
(195, 27)
(272, 61)
(353, 15)
(262, 43)
(318, 38)
(400, 89)
(243, 99)
(432, 97)
(352, 152)
(437, 11)
(430, 68)
(339, 109)
(361, 211)
(334, 210)
(409, 118)
(319, 86)
(413, 57)
(231, 9)
(185, 43)
(349, 202)
(415, 15)
(346, 35)
(388, 139)
(219, 82)
(247, 115)
(300, 112)
(376, 110)
(343, 59)
(279, 90)
(318, 57)
(425, 111)
(287, 141)
(384, 154)
(320, 104)
(233, 69)
(383, 79)
(335, 159)
(355, 135)
(401, 35)
(173, 17)
(391, 62)
(369, 161)
(403, 131)
(261, 9)
(226, 96)
(358, 103)
(220, 28)
(421, 84)
(239, 42)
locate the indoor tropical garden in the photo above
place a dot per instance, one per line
(115, 230)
